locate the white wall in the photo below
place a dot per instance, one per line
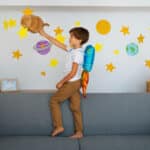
(130, 74)
(128, 3)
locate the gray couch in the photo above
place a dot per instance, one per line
(111, 122)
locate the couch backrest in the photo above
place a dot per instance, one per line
(28, 114)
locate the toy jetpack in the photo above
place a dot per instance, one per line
(89, 56)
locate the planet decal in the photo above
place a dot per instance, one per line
(132, 49)
(103, 27)
(43, 47)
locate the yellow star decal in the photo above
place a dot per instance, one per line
(110, 67)
(60, 38)
(58, 30)
(12, 23)
(147, 63)
(9, 24)
(116, 52)
(23, 32)
(125, 30)
(140, 38)
(16, 54)
(43, 73)
(77, 23)
(98, 47)
(5, 24)
(53, 62)
(27, 11)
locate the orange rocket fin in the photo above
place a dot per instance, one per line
(84, 82)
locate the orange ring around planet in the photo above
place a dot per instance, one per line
(103, 27)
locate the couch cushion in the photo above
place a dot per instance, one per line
(28, 114)
(37, 143)
(129, 142)
(116, 114)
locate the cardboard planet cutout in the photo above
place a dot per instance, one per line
(43, 47)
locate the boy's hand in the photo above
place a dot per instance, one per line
(59, 85)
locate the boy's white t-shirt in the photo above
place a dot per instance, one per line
(77, 56)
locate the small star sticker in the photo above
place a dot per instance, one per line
(125, 30)
(27, 11)
(60, 38)
(77, 23)
(58, 30)
(12, 23)
(140, 38)
(43, 73)
(16, 54)
(116, 52)
(147, 63)
(98, 47)
(53, 62)
(5, 24)
(110, 67)
(23, 32)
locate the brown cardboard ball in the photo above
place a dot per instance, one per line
(33, 23)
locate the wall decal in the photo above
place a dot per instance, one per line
(23, 32)
(16, 54)
(53, 62)
(43, 73)
(116, 52)
(27, 11)
(103, 27)
(61, 38)
(140, 38)
(58, 30)
(147, 63)
(9, 24)
(125, 30)
(43, 47)
(77, 23)
(98, 47)
(132, 49)
(110, 67)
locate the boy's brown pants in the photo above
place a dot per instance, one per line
(70, 91)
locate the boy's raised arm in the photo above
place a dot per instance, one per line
(53, 40)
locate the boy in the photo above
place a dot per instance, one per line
(69, 86)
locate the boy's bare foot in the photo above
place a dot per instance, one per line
(77, 135)
(57, 131)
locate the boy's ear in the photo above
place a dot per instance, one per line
(80, 41)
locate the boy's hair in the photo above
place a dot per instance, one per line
(80, 33)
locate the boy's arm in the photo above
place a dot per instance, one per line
(77, 59)
(69, 75)
(53, 40)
